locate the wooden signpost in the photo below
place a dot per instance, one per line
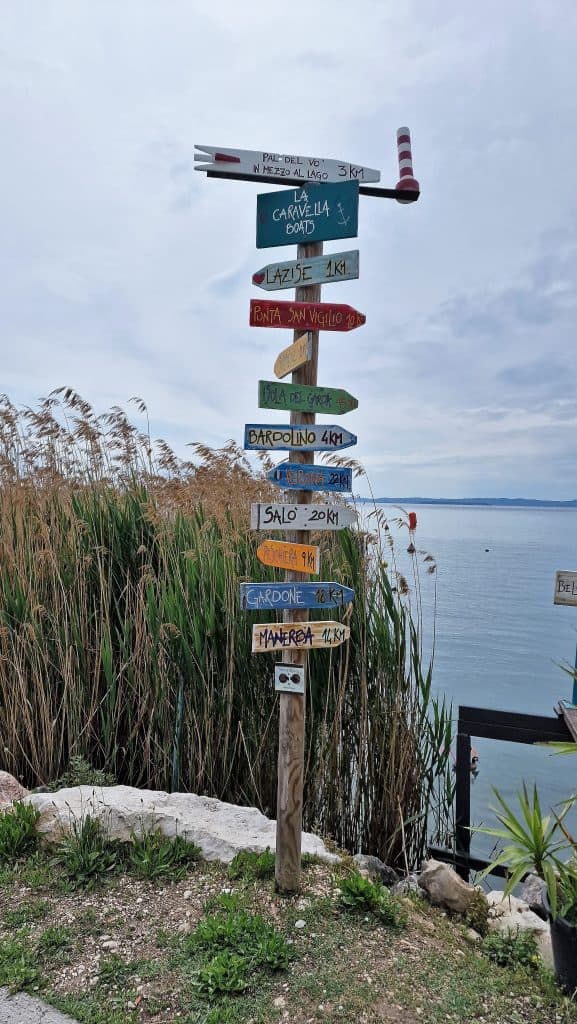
(293, 557)
(254, 163)
(314, 213)
(305, 316)
(304, 398)
(566, 594)
(256, 596)
(300, 517)
(294, 476)
(295, 356)
(303, 216)
(262, 437)
(297, 636)
(332, 267)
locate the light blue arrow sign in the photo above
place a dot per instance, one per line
(314, 213)
(303, 437)
(297, 477)
(258, 596)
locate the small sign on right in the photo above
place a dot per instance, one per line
(565, 588)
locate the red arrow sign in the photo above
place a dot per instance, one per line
(305, 316)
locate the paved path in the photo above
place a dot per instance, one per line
(23, 1009)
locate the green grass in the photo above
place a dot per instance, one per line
(252, 866)
(360, 894)
(512, 949)
(18, 963)
(244, 953)
(18, 833)
(88, 1009)
(86, 856)
(54, 941)
(154, 856)
(29, 911)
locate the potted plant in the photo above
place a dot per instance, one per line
(542, 844)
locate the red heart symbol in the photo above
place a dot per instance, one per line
(257, 278)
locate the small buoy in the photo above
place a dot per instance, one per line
(486, 549)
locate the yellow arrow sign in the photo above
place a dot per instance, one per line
(297, 636)
(283, 555)
(297, 354)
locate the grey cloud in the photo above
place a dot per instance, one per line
(542, 376)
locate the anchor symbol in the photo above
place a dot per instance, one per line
(343, 220)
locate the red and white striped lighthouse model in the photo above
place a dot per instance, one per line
(406, 180)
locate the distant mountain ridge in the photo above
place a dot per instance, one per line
(502, 502)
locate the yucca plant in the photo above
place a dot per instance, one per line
(532, 842)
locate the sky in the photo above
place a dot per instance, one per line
(124, 272)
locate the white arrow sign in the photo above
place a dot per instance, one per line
(282, 516)
(280, 165)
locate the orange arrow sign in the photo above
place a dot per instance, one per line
(283, 555)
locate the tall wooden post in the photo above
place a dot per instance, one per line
(291, 745)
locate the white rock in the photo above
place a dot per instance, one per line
(445, 888)
(218, 828)
(300, 923)
(511, 914)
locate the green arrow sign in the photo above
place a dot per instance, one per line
(304, 398)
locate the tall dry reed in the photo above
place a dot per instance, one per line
(121, 636)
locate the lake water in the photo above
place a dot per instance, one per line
(499, 638)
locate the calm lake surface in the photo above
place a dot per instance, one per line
(499, 638)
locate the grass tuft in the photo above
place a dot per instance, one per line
(360, 894)
(18, 832)
(154, 856)
(250, 866)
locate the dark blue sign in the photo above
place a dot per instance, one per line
(256, 597)
(313, 213)
(296, 477)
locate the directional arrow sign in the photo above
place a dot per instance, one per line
(335, 266)
(256, 596)
(304, 398)
(297, 636)
(299, 477)
(304, 437)
(565, 587)
(314, 213)
(280, 516)
(305, 316)
(282, 165)
(296, 355)
(298, 557)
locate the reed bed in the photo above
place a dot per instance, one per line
(122, 640)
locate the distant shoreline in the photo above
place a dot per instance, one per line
(479, 502)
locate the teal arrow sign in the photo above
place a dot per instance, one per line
(333, 266)
(304, 398)
(314, 213)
